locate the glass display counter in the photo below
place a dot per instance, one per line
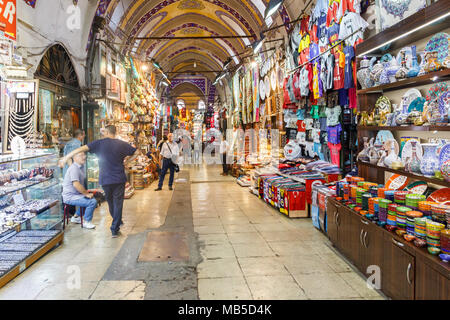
(30, 210)
(92, 172)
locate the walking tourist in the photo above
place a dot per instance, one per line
(223, 151)
(169, 158)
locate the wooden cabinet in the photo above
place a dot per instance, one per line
(406, 272)
(398, 269)
(370, 246)
(431, 284)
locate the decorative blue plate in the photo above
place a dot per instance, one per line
(444, 155)
(382, 137)
(444, 103)
(439, 43)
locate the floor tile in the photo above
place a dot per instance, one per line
(253, 238)
(325, 286)
(305, 264)
(219, 268)
(359, 285)
(250, 250)
(217, 251)
(242, 228)
(290, 248)
(262, 266)
(209, 229)
(223, 289)
(119, 290)
(275, 287)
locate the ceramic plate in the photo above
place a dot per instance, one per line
(418, 187)
(444, 154)
(407, 151)
(267, 84)
(273, 80)
(383, 104)
(441, 196)
(435, 92)
(439, 43)
(262, 90)
(409, 97)
(444, 103)
(417, 104)
(382, 137)
(387, 146)
(397, 182)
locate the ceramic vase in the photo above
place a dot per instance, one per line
(363, 74)
(415, 68)
(392, 156)
(414, 164)
(430, 160)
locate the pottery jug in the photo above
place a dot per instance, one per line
(392, 156)
(414, 71)
(430, 160)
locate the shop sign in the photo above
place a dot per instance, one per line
(21, 86)
(8, 18)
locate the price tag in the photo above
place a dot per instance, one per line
(18, 199)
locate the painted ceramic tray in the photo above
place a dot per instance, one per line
(417, 187)
(262, 90)
(439, 43)
(382, 137)
(267, 84)
(444, 154)
(441, 196)
(387, 146)
(273, 80)
(435, 92)
(407, 150)
(397, 182)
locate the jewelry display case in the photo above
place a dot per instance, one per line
(30, 209)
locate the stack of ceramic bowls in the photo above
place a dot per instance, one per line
(425, 207)
(445, 241)
(359, 193)
(374, 191)
(400, 197)
(381, 192)
(360, 184)
(365, 200)
(401, 217)
(389, 194)
(434, 236)
(338, 188)
(410, 221)
(439, 213)
(373, 205)
(383, 209)
(368, 185)
(420, 228)
(346, 193)
(412, 200)
(353, 188)
(448, 218)
(355, 180)
(392, 214)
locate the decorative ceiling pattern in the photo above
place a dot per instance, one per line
(131, 19)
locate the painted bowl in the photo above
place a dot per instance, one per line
(408, 237)
(400, 232)
(434, 250)
(420, 243)
(444, 257)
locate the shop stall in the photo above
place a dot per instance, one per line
(395, 215)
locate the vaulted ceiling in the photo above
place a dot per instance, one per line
(131, 19)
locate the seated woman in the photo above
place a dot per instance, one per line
(75, 194)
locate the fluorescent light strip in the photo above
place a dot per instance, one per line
(405, 34)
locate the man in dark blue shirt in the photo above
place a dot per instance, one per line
(111, 153)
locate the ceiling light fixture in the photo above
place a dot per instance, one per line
(272, 7)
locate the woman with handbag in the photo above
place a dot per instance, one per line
(169, 157)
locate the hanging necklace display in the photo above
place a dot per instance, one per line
(21, 116)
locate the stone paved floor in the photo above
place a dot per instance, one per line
(249, 251)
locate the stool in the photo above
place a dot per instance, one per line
(67, 215)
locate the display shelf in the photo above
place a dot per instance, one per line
(420, 25)
(6, 158)
(24, 187)
(407, 174)
(33, 257)
(405, 128)
(428, 78)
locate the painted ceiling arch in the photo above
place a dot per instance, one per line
(190, 55)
